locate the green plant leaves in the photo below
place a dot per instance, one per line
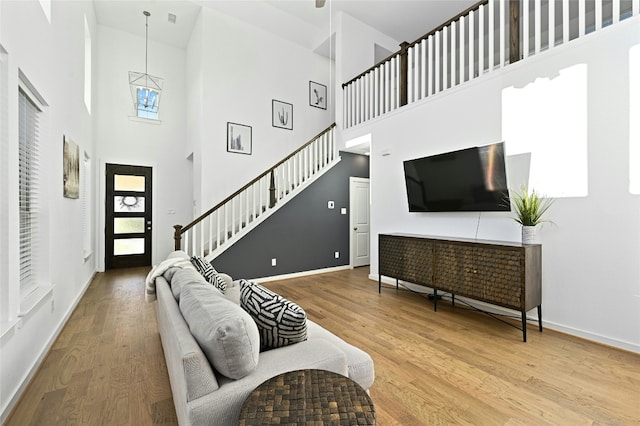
(530, 206)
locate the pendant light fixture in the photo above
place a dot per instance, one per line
(145, 88)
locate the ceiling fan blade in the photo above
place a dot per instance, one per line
(320, 3)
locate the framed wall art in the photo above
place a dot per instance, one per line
(238, 138)
(70, 168)
(281, 115)
(317, 95)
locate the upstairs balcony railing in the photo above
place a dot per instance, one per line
(218, 228)
(489, 35)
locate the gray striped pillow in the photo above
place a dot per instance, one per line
(280, 321)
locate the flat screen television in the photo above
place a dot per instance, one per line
(472, 179)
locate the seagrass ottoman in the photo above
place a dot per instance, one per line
(308, 397)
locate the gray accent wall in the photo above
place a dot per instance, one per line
(304, 234)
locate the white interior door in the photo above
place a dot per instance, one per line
(359, 204)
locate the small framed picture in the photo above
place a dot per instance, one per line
(238, 138)
(281, 115)
(317, 95)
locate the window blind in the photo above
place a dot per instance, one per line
(28, 114)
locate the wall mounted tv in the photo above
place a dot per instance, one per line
(472, 179)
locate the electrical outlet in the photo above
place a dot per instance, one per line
(273, 262)
(337, 255)
(330, 204)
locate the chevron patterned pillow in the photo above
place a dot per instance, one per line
(209, 273)
(280, 321)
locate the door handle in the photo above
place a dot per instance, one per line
(355, 229)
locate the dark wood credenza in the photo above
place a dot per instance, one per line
(501, 273)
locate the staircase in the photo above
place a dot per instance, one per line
(234, 217)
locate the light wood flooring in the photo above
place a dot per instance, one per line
(453, 366)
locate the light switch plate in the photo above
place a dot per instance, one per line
(343, 210)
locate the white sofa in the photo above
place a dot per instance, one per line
(202, 396)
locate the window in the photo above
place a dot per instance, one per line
(85, 196)
(87, 65)
(28, 119)
(4, 192)
(147, 103)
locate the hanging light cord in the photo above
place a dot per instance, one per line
(146, 45)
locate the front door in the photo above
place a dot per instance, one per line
(359, 204)
(128, 216)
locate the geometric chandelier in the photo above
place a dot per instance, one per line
(145, 88)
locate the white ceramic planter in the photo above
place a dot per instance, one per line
(529, 235)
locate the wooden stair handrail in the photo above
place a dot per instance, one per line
(179, 230)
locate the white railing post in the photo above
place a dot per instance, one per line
(491, 32)
(445, 55)
(430, 65)
(552, 24)
(525, 29)
(462, 54)
(616, 12)
(537, 31)
(635, 7)
(454, 53)
(481, 40)
(416, 72)
(210, 220)
(437, 63)
(581, 18)
(471, 45)
(502, 28)
(423, 69)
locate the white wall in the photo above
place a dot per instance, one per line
(244, 68)
(591, 277)
(161, 145)
(58, 75)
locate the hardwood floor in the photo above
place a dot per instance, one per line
(454, 366)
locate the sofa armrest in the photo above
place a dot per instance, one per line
(228, 399)
(190, 372)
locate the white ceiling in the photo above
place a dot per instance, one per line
(296, 20)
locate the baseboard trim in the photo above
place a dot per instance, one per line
(8, 409)
(582, 334)
(301, 274)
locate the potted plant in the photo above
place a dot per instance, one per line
(529, 208)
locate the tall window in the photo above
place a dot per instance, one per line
(87, 65)
(86, 206)
(28, 116)
(4, 188)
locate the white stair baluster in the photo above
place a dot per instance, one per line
(454, 53)
(491, 31)
(471, 45)
(502, 29)
(616, 12)
(445, 57)
(210, 220)
(462, 53)
(582, 17)
(537, 31)
(525, 29)
(430, 65)
(416, 72)
(481, 40)
(437, 63)
(423, 69)
(552, 24)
